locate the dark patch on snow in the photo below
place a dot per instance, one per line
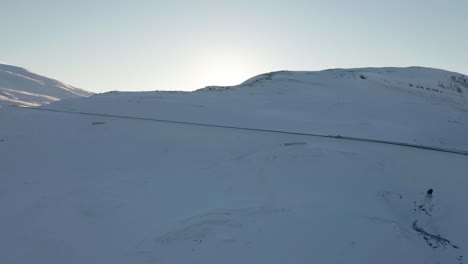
(432, 240)
(423, 208)
(98, 123)
(460, 80)
(294, 144)
(455, 122)
(217, 88)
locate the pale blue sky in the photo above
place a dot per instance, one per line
(103, 45)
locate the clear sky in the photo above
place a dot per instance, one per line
(103, 45)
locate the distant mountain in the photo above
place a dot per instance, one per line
(18, 86)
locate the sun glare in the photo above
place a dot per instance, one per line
(227, 76)
(226, 68)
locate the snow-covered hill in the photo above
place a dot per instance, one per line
(21, 87)
(411, 105)
(117, 186)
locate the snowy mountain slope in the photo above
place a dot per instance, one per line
(84, 189)
(411, 105)
(78, 188)
(21, 87)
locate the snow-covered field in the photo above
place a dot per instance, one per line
(18, 86)
(78, 188)
(411, 105)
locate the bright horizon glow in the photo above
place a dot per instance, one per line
(103, 45)
(225, 66)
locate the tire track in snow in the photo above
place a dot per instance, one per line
(340, 137)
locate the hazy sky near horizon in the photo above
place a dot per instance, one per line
(103, 45)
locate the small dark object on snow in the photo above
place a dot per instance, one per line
(98, 123)
(430, 191)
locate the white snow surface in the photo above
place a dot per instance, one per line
(78, 188)
(411, 105)
(18, 86)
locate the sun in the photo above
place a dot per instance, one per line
(227, 75)
(226, 68)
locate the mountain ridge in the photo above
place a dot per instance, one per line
(21, 87)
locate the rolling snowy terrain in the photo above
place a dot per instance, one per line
(411, 105)
(242, 174)
(21, 87)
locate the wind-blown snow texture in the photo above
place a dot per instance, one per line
(21, 87)
(94, 189)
